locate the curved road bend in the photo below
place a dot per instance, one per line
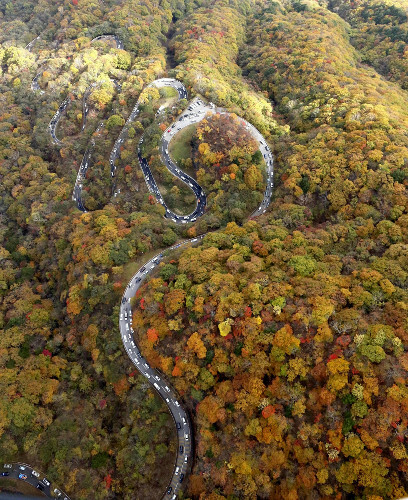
(26, 473)
(115, 38)
(194, 113)
(165, 390)
(85, 108)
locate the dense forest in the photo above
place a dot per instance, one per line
(285, 335)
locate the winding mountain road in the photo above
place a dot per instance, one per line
(194, 113)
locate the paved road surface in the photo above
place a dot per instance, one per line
(24, 472)
(161, 385)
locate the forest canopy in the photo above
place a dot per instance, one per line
(285, 335)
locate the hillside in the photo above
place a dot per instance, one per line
(284, 334)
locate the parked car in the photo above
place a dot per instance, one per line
(22, 476)
(35, 473)
(5, 473)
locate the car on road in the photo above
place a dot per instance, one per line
(8, 466)
(22, 476)
(35, 473)
(5, 473)
(22, 467)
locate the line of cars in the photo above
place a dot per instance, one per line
(152, 186)
(55, 119)
(155, 377)
(198, 191)
(26, 473)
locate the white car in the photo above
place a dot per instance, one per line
(22, 467)
(57, 492)
(177, 471)
(167, 389)
(46, 482)
(8, 466)
(184, 421)
(185, 459)
(186, 437)
(35, 473)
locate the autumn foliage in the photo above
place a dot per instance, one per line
(286, 335)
